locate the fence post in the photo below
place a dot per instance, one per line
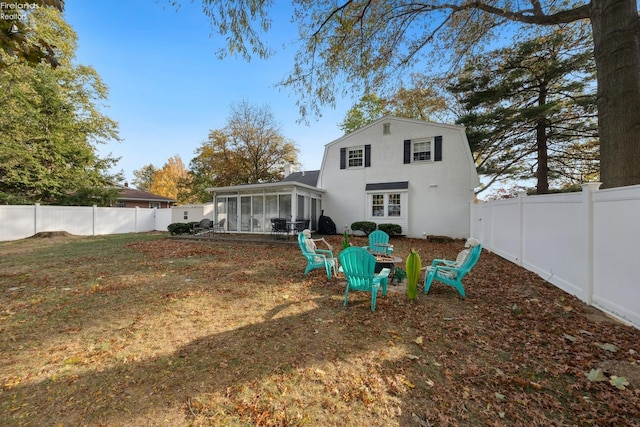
(37, 218)
(94, 219)
(521, 196)
(587, 199)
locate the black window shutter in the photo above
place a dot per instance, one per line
(343, 158)
(367, 155)
(407, 151)
(438, 149)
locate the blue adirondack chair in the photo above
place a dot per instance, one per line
(452, 272)
(358, 266)
(316, 258)
(379, 243)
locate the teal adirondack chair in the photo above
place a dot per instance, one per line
(379, 243)
(316, 258)
(358, 266)
(452, 272)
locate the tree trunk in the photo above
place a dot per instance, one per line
(542, 173)
(616, 37)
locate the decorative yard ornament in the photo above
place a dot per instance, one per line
(345, 240)
(414, 265)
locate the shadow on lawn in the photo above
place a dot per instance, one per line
(158, 390)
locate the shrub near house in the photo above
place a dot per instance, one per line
(367, 227)
(391, 229)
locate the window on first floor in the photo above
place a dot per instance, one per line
(386, 205)
(154, 205)
(377, 205)
(393, 205)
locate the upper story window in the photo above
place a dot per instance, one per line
(386, 128)
(421, 150)
(355, 157)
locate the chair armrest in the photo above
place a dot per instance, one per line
(325, 252)
(384, 272)
(442, 261)
(447, 268)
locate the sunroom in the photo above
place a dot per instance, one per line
(249, 208)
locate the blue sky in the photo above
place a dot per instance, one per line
(167, 89)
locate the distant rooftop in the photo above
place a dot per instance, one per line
(127, 193)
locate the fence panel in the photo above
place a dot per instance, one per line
(555, 239)
(616, 282)
(506, 229)
(76, 220)
(584, 243)
(162, 219)
(19, 222)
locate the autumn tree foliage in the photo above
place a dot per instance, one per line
(360, 47)
(249, 149)
(169, 178)
(419, 100)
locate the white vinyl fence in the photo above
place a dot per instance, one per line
(18, 222)
(584, 243)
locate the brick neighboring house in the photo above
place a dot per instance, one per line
(132, 198)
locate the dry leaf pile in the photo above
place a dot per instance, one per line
(144, 330)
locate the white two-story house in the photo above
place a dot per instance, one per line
(417, 174)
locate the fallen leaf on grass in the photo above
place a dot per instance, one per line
(596, 375)
(608, 347)
(620, 383)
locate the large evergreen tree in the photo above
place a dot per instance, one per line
(532, 110)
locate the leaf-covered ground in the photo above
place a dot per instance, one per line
(142, 330)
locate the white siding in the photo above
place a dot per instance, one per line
(439, 192)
